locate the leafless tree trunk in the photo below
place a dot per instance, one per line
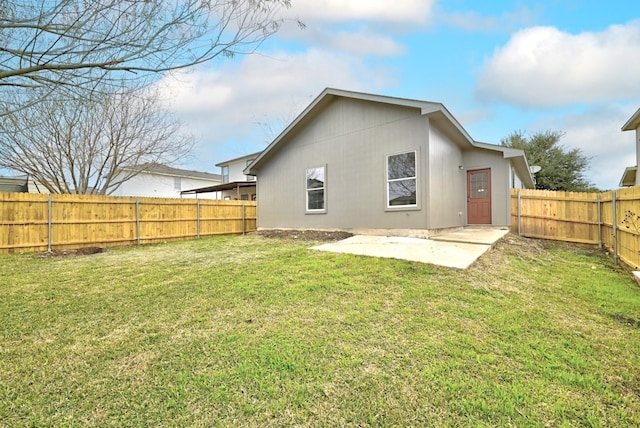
(91, 145)
(90, 43)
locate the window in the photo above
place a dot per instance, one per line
(225, 174)
(244, 197)
(316, 195)
(401, 180)
(177, 183)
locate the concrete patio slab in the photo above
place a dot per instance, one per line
(473, 235)
(457, 250)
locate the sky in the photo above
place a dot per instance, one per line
(498, 66)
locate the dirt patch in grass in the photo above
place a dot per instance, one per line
(626, 319)
(305, 235)
(68, 253)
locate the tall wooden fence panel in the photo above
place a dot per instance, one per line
(35, 222)
(609, 219)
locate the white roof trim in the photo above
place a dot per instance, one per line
(633, 123)
(238, 159)
(629, 176)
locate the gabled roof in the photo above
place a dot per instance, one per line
(156, 168)
(633, 123)
(241, 158)
(518, 161)
(436, 112)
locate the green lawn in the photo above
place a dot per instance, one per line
(253, 331)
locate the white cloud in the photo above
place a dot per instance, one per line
(404, 11)
(354, 26)
(474, 21)
(596, 132)
(365, 43)
(543, 66)
(223, 107)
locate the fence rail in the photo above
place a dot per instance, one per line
(35, 222)
(610, 219)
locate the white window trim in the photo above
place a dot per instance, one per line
(306, 191)
(415, 206)
(225, 177)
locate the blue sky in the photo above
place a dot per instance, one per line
(498, 66)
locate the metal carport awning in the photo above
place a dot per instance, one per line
(237, 185)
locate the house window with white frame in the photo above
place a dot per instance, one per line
(402, 180)
(316, 189)
(177, 183)
(225, 174)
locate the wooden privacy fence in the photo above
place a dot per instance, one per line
(36, 222)
(610, 219)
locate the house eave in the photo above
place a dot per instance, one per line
(633, 123)
(629, 177)
(238, 159)
(518, 161)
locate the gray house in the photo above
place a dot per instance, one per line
(382, 165)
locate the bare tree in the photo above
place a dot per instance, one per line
(92, 145)
(90, 43)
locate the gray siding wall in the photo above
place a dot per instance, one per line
(352, 139)
(447, 183)
(500, 182)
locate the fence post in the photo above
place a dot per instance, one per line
(49, 222)
(615, 225)
(599, 208)
(198, 218)
(138, 221)
(518, 215)
(243, 219)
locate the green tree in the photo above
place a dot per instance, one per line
(561, 168)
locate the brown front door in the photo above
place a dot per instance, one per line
(479, 196)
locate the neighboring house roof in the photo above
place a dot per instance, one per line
(241, 158)
(13, 184)
(629, 177)
(220, 187)
(633, 123)
(155, 168)
(436, 112)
